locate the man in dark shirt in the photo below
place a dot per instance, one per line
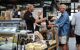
(28, 17)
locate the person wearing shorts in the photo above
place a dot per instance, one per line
(63, 24)
(63, 39)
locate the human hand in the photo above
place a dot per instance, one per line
(50, 26)
(54, 25)
(54, 18)
(43, 19)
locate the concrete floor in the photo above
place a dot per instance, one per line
(72, 43)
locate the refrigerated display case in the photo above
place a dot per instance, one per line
(8, 31)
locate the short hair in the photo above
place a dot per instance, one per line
(29, 5)
(63, 5)
(78, 7)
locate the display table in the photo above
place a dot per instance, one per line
(47, 45)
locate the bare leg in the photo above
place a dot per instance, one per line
(60, 47)
(78, 47)
(65, 47)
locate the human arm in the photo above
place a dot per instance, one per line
(62, 20)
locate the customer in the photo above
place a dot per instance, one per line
(28, 17)
(76, 22)
(63, 25)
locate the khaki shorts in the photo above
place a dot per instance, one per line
(63, 39)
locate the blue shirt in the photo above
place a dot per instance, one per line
(63, 24)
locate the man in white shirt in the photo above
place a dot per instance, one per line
(76, 23)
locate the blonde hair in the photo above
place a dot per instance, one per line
(64, 6)
(29, 6)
